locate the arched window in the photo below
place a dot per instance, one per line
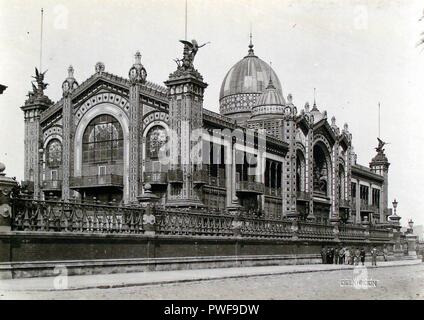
(103, 140)
(341, 182)
(54, 153)
(300, 171)
(321, 170)
(155, 139)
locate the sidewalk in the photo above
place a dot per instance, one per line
(104, 281)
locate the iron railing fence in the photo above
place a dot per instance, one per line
(94, 217)
(171, 222)
(37, 215)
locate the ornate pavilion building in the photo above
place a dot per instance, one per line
(105, 138)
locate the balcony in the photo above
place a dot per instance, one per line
(250, 187)
(200, 176)
(52, 185)
(156, 178)
(365, 207)
(274, 192)
(217, 181)
(303, 196)
(344, 204)
(175, 176)
(320, 194)
(107, 180)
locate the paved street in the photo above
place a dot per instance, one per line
(396, 282)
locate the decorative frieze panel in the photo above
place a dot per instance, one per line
(155, 116)
(52, 131)
(238, 103)
(102, 98)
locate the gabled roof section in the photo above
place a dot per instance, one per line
(119, 84)
(344, 141)
(324, 127)
(303, 123)
(149, 89)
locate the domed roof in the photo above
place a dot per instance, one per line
(249, 75)
(270, 96)
(270, 102)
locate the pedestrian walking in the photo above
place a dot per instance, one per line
(374, 256)
(336, 255)
(341, 256)
(347, 256)
(356, 257)
(328, 256)
(323, 255)
(362, 254)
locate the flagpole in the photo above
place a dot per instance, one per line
(185, 28)
(379, 120)
(41, 39)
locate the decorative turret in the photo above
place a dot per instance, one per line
(137, 73)
(186, 89)
(380, 165)
(99, 68)
(289, 136)
(68, 87)
(34, 106)
(70, 84)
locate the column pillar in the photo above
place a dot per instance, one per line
(309, 169)
(289, 136)
(137, 75)
(358, 201)
(186, 89)
(68, 86)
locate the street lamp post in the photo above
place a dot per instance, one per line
(395, 203)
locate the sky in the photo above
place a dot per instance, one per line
(355, 53)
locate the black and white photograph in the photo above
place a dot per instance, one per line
(211, 150)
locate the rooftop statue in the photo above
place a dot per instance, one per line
(189, 53)
(39, 79)
(38, 87)
(381, 144)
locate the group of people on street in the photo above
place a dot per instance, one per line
(348, 255)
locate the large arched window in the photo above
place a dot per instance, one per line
(321, 170)
(155, 139)
(342, 190)
(300, 171)
(54, 153)
(103, 140)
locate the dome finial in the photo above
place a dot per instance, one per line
(270, 84)
(70, 72)
(251, 52)
(137, 57)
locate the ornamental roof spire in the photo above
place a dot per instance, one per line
(251, 52)
(137, 57)
(71, 72)
(270, 83)
(314, 107)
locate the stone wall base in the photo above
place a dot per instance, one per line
(87, 267)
